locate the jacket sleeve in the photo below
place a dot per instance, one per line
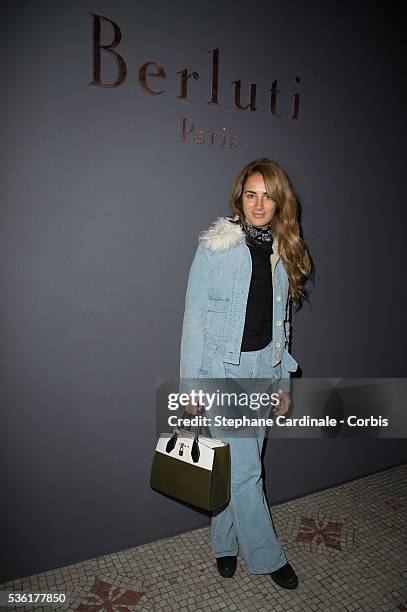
(288, 363)
(196, 301)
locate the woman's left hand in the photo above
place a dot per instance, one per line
(283, 405)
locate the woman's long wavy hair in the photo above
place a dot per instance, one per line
(284, 222)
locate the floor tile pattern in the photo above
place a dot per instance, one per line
(348, 545)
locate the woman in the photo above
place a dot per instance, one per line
(246, 272)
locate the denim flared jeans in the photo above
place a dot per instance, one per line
(245, 524)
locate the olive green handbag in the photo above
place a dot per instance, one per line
(192, 468)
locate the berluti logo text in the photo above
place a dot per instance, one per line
(154, 70)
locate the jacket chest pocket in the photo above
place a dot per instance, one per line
(216, 315)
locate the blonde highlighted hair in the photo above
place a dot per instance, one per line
(284, 222)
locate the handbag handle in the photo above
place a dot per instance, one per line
(195, 451)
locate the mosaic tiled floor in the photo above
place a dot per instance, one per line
(347, 544)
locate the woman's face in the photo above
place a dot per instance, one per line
(258, 208)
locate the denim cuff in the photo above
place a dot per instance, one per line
(284, 384)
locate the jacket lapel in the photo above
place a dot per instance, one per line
(223, 234)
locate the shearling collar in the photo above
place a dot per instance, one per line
(223, 234)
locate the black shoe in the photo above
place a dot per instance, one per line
(285, 577)
(226, 566)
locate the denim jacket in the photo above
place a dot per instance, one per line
(216, 298)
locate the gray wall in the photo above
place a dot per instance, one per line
(101, 208)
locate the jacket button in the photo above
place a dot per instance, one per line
(278, 298)
(278, 322)
(278, 344)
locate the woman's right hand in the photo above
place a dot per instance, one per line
(192, 408)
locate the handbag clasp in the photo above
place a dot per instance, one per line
(182, 446)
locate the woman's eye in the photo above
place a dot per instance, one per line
(250, 196)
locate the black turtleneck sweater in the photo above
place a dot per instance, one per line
(258, 327)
